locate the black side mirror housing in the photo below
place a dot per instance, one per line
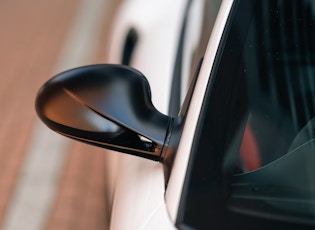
(105, 105)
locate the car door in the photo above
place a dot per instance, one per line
(247, 154)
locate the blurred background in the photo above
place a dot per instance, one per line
(48, 181)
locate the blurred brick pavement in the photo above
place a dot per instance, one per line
(31, 36)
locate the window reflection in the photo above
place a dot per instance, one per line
(278, 65)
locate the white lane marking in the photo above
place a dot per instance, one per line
(46, 154)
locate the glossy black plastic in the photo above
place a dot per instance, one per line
(105, 105)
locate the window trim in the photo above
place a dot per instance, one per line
(177, 178)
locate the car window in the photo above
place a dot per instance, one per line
(253, 157)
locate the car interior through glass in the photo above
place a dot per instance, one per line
(253, 157)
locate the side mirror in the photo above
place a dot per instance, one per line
(105, 105)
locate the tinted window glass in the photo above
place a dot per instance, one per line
(253, 159)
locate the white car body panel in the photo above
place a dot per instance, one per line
(137, 185)
(158, 24)
(139, 195)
